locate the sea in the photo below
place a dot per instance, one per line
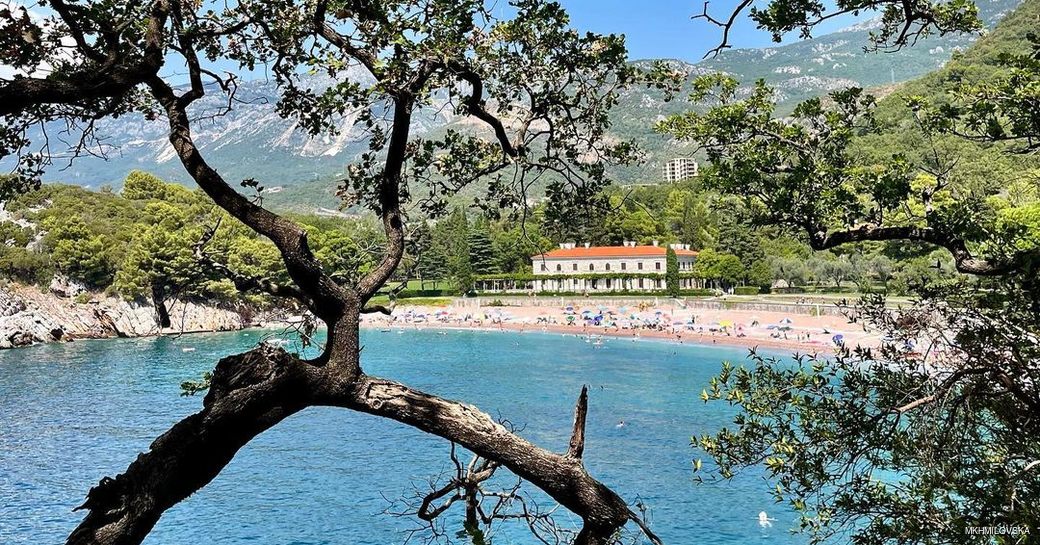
(73, 413)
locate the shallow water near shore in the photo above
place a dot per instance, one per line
(72, 413)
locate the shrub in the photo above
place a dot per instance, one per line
(746, 290)
(406, 293)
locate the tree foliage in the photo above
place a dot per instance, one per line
(925, 439)
(671, 272)
(538, 94)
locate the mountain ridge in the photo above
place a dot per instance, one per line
(252, 141)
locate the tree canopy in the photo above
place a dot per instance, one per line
(922, 440)
(538, 94)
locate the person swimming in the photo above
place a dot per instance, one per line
(620, 424)
(764, 520)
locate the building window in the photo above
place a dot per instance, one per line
(608, 266)
(657, 265)
(640, 282)
(623, 265)
(544, 268)
(559, 267)
(575, 266)
(640, 267)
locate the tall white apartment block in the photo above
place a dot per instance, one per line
(680, 168)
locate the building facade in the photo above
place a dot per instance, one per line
(680, 168)
(630, 267)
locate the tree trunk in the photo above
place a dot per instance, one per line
(162, 315)
(252, 392)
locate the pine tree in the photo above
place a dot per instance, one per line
(482, 250)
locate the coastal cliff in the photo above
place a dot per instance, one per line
(29, 316)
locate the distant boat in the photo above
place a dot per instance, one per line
(188, 349)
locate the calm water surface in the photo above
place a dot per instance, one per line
(72, 413)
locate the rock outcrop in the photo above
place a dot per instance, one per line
(29, 316)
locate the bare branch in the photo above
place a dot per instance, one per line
(577, 444)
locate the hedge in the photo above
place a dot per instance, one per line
(746, 290)
(406, 294)
(615, 293)
(616, 275)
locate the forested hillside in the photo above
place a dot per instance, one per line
(145, 242)
(252, 141)
(140, 242)
(977, 167)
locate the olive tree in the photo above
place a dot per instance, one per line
(537, 95)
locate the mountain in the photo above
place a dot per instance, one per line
(979, 169)
(252, 141)
(836, 61)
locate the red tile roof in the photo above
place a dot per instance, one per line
(594, 252)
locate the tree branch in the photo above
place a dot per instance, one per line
(577, 444)
(560, 476)
(93, 81)
(249, 394)
(964, 260)
(328, 299)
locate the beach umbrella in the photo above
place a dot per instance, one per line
(786, 321)
(838, 339)
(725, 323)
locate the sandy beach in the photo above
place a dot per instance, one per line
(802, 333)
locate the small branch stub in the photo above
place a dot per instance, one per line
(577, 446)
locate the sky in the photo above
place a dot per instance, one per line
(653, 28)
(664, 28)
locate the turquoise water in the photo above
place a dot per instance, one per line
(72, 413)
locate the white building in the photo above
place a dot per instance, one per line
(680, 168)
(629, 267)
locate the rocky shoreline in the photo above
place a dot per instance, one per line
(29, 315)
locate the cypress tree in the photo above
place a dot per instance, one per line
(671, 273)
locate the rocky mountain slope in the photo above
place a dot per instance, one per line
(253, 141)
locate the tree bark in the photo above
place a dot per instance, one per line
(250, 393)
(162, 315)
(253, 391)
(256, 390)
(564, 478)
